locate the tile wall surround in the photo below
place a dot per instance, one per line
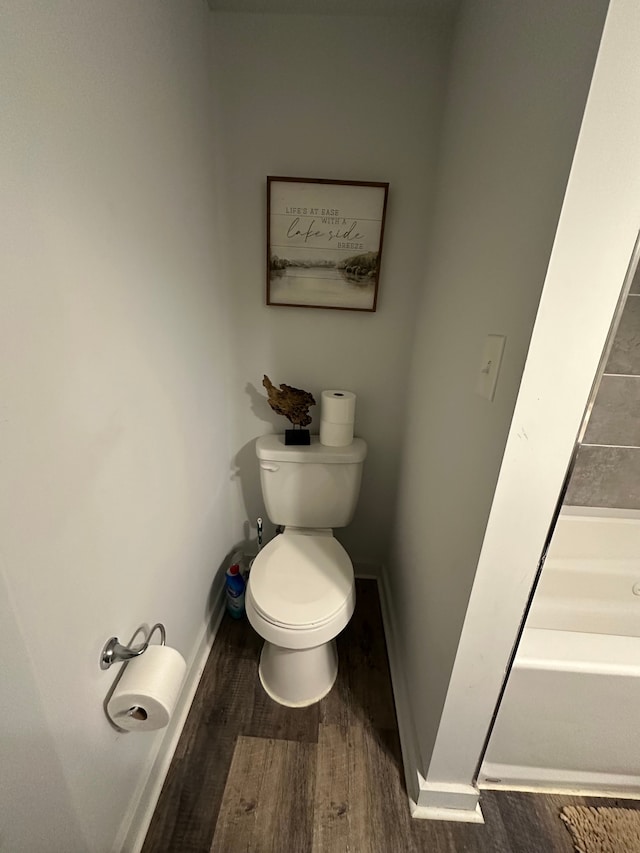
(607, 469)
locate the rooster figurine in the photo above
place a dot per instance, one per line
(294, 404)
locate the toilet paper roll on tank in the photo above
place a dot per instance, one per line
(337, 417)
(147, 693)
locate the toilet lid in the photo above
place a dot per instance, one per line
(300, 580)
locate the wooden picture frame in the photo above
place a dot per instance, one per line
(324, 242)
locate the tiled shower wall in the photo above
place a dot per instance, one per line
(607, 469)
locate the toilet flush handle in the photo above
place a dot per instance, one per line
(269, 466)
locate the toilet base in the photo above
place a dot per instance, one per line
(298, 677)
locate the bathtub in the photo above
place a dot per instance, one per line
(570, 716)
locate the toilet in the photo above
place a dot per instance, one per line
(301, 590)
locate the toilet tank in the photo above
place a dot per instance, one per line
(311, 485)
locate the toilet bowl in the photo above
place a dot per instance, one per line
(300, 595)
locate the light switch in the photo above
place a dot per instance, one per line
(490, 365)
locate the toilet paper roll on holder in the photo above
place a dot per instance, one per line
(115, 652)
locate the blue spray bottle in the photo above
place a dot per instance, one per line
(235, 587)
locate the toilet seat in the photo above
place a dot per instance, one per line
(301, 580)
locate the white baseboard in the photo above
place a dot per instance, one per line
(455, 815)
(427, 800)
(367, 571)
(508, 777)
(136, 823)
(448, 801)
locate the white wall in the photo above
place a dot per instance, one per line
(352, 98)
(114, 493)
(519, 80)
(592, 251)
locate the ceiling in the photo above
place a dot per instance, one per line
(338, 7)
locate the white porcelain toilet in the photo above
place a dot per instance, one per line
(301, 591)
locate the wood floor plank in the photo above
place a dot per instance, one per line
(378, 807)
(268, 719)
(365, 659)
(268, 799)
(490, 837)
(185, 817)
(334, 708)
(533, 823)
(237, 638)
(331, 808)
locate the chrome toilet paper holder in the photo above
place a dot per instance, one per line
(115, 652)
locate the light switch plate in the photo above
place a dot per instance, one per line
(490, 365)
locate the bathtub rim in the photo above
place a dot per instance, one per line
(582, 651)
(595, 654)
(571, 511)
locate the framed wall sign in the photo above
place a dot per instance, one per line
(324, 242)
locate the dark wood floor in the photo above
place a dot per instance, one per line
(250, 776)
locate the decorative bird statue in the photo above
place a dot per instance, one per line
(294, 404)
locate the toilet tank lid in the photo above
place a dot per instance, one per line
(273, 448)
